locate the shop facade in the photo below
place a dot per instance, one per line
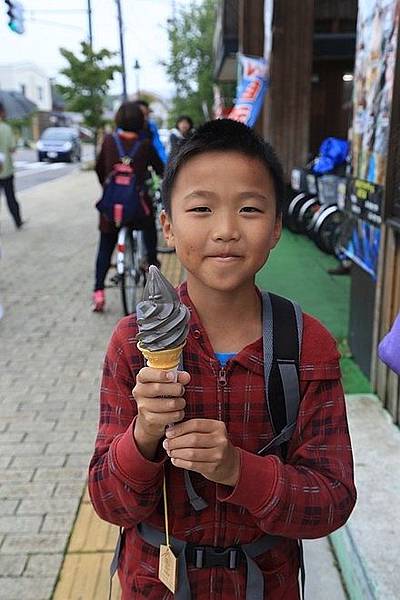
(334, 70)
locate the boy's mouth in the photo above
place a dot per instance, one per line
(225, 257)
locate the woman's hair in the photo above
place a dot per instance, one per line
(184, 118)
(223, 135)
(129, 117)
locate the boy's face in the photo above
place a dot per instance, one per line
(223, 220)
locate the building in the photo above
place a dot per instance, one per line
(30, 80)
(334, 69)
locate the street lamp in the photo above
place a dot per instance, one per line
(136, 67)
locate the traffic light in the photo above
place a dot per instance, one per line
(16, 16)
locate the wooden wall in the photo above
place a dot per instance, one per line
(287, 106)
(386, 382)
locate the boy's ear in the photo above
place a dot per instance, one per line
(167, 228)
(276, 234)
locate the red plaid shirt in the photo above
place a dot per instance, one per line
(308, 497)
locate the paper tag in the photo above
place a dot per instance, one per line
(167, 568)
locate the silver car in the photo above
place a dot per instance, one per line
(59, 143)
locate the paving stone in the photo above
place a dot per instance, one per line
(78, 460)
(12, 566)
(63, 473)
(68, 490)
(43, 460)
(14, 437)
(34, 543)
(20, 524)
(57, 523)
(75, 447)
(26, 588)
(40, 565)
(18, 475)
(44, 506)
(22, 449)
(32, 425)
(5, 461)
(8, 507)
(26, 490)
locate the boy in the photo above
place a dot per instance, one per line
(222, 193)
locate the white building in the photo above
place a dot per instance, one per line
(28, 79)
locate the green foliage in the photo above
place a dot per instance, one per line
(190, 64)
(89, 81)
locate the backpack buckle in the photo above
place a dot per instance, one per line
(203, 557)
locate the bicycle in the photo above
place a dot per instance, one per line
(131, 267)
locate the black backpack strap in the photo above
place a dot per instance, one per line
(121, 150)
(282, 348)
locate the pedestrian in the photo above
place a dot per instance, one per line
(152, 129)
(7, 147)
(222, 192)
(129, 121)
(181, 132)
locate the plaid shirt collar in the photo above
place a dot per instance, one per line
(251, 357)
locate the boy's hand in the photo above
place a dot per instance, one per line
(159, 401)
(202, 445)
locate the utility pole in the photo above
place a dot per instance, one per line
(89, 11)
(122, 51)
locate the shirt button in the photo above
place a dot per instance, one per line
(197, 334)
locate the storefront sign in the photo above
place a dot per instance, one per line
(363, 246)
(365, 201)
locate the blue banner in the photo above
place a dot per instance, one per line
(251, 90)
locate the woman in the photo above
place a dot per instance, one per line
(183, 129)
(129, 122)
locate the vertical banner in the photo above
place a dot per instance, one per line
(251, 90)
(376, 48)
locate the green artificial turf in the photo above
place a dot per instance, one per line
(297, 269)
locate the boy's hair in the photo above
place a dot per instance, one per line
(223, 135)
(129, 117)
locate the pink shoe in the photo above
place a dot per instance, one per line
(98, 301)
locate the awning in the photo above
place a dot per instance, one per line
(16, 105)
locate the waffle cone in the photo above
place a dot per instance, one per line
(162, 359)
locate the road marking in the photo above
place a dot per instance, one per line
(43, 168)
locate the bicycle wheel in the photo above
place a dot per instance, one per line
(306, 213)
(327, 228)
(133, 278)
(293, 211)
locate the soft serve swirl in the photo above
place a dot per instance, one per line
(163, 321)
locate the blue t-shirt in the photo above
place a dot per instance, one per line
(223, 357)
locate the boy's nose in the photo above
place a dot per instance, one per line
(226, 230)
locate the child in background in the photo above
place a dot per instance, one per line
(222, 193)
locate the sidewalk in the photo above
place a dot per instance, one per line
(50, 361)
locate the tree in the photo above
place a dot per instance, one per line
(89, 81)
(190, 64)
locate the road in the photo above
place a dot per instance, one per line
(30, 172)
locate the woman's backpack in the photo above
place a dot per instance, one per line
(122, 200)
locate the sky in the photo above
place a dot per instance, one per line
(45, 32)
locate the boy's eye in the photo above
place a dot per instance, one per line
(250, 209)
(199, 209)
